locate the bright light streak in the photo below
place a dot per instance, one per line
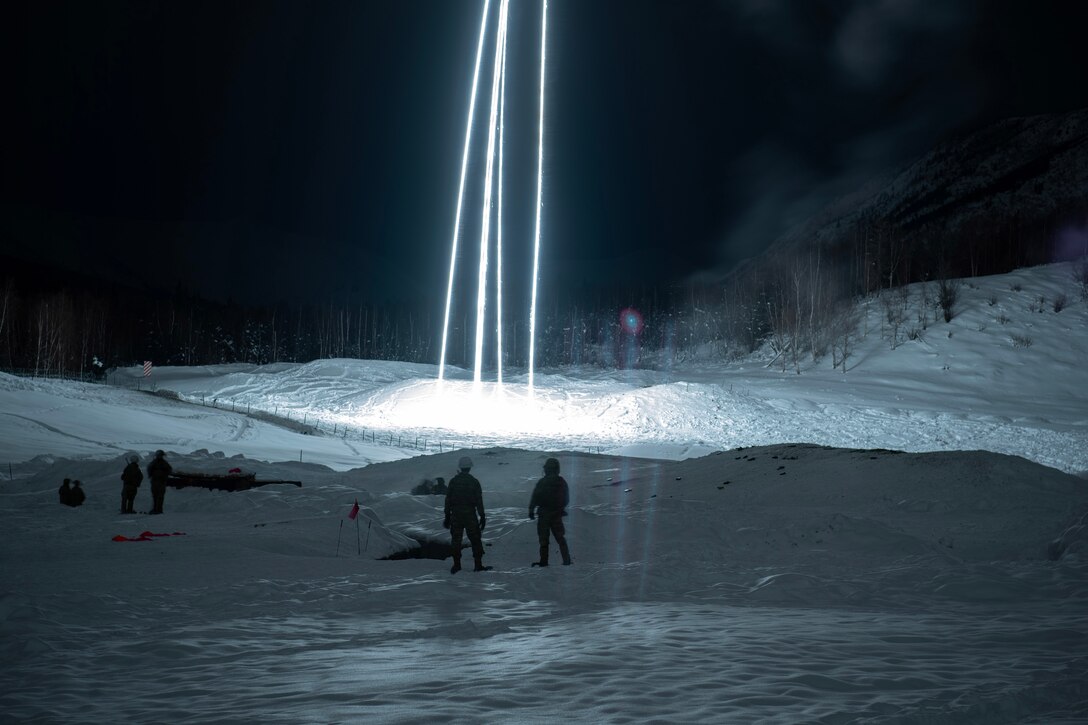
(498, 230)
(461, 189)
(496, 124)
(485, 238)
(539, 197)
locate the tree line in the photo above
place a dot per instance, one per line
(800, 303)
(88, 330)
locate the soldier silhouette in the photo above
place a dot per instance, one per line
(158, 471)
(549, 505)
(464, 502)
(130, 483)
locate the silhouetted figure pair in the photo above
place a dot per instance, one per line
(71, 493)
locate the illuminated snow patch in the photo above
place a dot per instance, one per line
(487, 409)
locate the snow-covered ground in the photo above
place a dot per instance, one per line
(738, 556)
(962, 385)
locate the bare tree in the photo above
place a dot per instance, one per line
(894, 306)
(843, 330)
(948, 291)
(47, 336)
(1080, 276)
(7, 303)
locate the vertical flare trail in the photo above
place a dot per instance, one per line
(461, 190)
(539, 198)
(485, 234)
(498, 224)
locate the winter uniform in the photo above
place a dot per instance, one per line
(548, 505)
(464, 502)
(65, 492)
(158, 471)
(130, 478)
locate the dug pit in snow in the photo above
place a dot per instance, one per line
(427, 549)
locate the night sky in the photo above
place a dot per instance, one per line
(311, 150)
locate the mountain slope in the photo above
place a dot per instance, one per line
(1010, 195)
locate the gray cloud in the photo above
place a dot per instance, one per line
(876, 36)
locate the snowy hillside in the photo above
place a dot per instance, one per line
(1007, 374)
(749, 545)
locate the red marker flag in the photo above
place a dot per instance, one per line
(354, 510)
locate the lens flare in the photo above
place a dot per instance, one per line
(631, 321)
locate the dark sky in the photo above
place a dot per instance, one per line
(308, 150)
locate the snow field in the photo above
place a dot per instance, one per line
(903, 543)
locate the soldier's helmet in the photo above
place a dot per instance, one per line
(551, 465)
(465, 463)
(160, 454)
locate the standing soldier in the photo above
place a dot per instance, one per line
(549, 504)
(158, 471)
(65, 491)
(464, 501)
(130, 480)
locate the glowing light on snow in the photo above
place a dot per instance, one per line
(482, 410)
(539, 198)
(461, 189)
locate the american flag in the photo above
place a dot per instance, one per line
(147, 368)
